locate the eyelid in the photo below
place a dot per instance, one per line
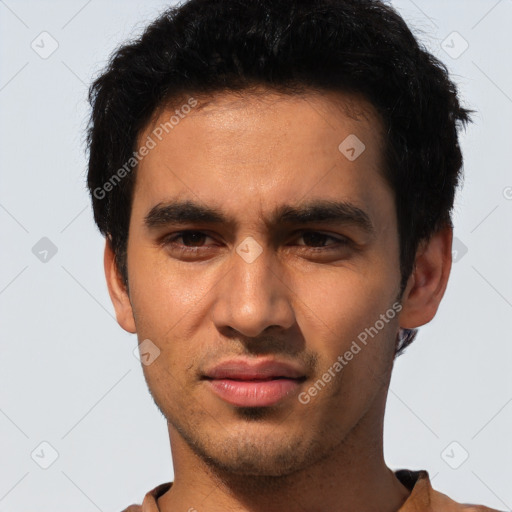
(336, 239)
(334, 236)
(170, 237)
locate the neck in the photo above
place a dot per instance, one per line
(353, 477)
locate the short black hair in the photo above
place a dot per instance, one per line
(292, 47)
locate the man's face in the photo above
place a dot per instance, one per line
(300, 290)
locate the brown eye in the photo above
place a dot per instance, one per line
(317, 239)
(192, 238)
(187, 241)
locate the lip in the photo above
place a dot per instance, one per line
(247, 383)
(245, 369)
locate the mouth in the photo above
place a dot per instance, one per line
(246, 383)
(254, 392)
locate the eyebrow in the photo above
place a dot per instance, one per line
(189, 212)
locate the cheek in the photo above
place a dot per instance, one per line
(164, 294)
(343, 324)
(346, 296)
(336, 308)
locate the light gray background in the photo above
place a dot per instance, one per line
(67, 371)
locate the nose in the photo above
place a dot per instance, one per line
(252, 296)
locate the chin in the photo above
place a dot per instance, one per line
(253, 453)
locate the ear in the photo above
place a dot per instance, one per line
(117, 290)
(428, 281)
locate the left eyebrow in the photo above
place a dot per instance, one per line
(319, 211)
(325, 211)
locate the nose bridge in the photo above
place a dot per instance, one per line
(252, 297)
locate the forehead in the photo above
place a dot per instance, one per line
(254, 150)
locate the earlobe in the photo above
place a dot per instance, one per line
(117, 290)
(428, 281)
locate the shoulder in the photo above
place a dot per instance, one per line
(468, 507)
(149, 503)
(426, 499)
(439, 499)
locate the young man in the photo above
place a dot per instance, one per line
(275, 179)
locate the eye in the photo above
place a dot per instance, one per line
(193, 245)
(318, 240)
(191, 241)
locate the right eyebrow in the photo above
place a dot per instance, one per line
(182, 212)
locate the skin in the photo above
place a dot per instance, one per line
(247, 155)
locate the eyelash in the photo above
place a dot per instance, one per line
(169, 240)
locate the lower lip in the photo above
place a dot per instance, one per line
(255, 393)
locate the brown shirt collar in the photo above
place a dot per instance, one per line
(422, 498)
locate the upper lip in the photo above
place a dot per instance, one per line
(243, 369)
